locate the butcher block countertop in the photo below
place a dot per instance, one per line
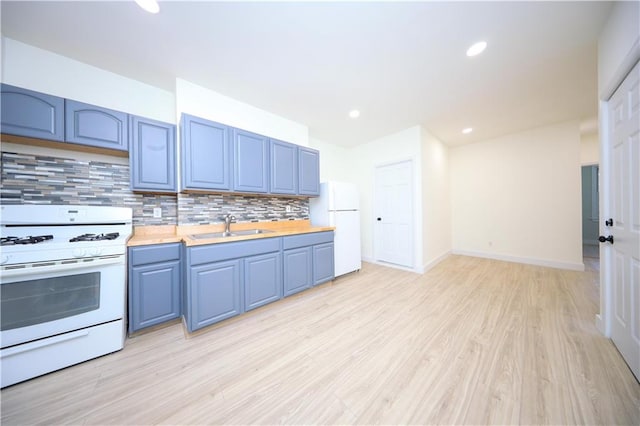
(146, 235)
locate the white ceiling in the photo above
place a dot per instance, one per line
(401, 64)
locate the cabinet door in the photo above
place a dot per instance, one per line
(214, 293)
(154, 294)
(298, 270)
(152, 156)
(308, 171)
(323, 269)
(31, 114)
(250, 162)
(95, 126)
(284, 168)
(206, 159)
(262, 280)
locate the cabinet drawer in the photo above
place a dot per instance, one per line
(216, 252)
(153, 254)
(305, 240)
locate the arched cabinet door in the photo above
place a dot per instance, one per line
(32, 114)
(91, 125)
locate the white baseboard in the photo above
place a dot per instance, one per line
(600, 325)
(417, 270)
(435, 261)
(526, 260)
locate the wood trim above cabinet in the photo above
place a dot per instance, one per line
(22, 140)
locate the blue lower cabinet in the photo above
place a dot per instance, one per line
(262, 280)
(227, 279)
(214, 292)
(323, 266)
(298, 270)
(154, 285)
(156, 295)
(307, 256)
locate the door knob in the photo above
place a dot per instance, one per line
(379, 219)
(603, 239)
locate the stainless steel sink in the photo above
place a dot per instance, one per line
(212, 235)
(230, 234)
(252, 231)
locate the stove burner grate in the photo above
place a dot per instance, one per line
(95, 237)
(10, 241)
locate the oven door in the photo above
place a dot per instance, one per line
(51, 298)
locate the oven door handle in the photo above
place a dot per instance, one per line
(60, 266)
(15, 350)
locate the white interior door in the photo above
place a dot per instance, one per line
(394, 214)
(622, 268)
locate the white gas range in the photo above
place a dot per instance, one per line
(63, 279)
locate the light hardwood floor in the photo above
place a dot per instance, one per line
(473, 341)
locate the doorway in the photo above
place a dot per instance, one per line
(393, 222)
(590, 217)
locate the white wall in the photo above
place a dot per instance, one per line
(589, 149)
(364, 158)
(335, 161)
(37, 69)
(436, 200)
(33, 68)
(518, 197)
(201, 102)
(619, 37)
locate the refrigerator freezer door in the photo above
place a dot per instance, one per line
(346, 241)
(342, 196)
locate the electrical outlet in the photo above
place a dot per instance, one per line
(157, 212)
(288, 208)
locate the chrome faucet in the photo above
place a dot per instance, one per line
(227, 223)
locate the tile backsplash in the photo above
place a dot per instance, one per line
(43, 179)
(201, 209)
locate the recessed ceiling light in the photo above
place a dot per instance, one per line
(354, 113)
(150, 6)
(477, 48)
(467, 130)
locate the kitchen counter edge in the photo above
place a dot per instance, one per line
(143, 239)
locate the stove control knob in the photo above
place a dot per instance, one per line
(79, 253)
(97, 251)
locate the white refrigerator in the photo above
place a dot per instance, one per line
(339, 206)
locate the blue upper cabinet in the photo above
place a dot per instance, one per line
(206, 157)
(250, 162)
(308, 171)
(32, 114)
(152, 156)
(284, 168)
(95, 126)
